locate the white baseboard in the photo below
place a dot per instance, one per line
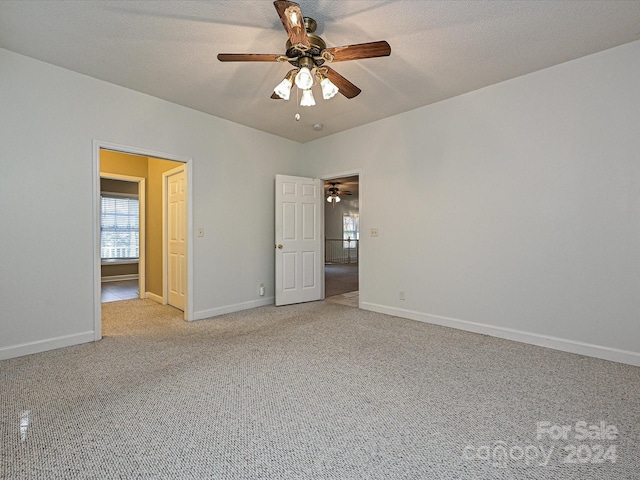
(46, 344)
(563, 344)
(118, 278)
(154, 297)
(214, 312)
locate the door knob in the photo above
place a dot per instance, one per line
(279, 246)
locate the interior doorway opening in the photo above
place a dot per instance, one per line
(122, 236)
(342, 239)
(113, 160)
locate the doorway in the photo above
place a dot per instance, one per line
(151, 169)
(122, 236)
(342, 239)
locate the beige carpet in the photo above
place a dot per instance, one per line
(315, 390)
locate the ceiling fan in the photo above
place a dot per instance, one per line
(333, 192)
(309, 54)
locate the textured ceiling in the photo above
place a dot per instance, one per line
(439, 49)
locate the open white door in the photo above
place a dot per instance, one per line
(298, 239)
(176, 226)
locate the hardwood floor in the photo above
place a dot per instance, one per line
(351, 299)
(341, 284)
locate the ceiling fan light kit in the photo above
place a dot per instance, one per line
(304, 78)
(283, 90)
(329, 90)
(333, 194)
(307, 99)
(309, 54)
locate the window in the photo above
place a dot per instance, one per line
(119, 227)
(350, 231)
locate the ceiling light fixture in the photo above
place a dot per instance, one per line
(329, 90)
(307, 99)
(305, 77)
(283, 90)
(333, 195)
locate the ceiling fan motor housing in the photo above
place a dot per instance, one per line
(317, 45)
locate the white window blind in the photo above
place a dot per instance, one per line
(119, 227)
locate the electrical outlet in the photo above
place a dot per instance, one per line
(374, 232)
(402, 296)
(261, 289)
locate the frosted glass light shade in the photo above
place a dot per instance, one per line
(329, 90)
(304, 79)
(307, 99)
(283, 90)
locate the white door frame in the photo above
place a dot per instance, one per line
(141, 222)
(97, 145)
(165, 235)
(333, 176)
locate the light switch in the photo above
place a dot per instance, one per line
(201, 232)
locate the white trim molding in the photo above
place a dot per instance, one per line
(562, 344)
(45, 345)
(238, 307)
(119, 278)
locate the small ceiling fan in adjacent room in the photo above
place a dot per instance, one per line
(310, 58)
(333, 192)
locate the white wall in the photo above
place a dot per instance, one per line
(515, 209)
(48, 120)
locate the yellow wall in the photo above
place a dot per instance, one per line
(151, 169)
(119, 269)
(123, 163)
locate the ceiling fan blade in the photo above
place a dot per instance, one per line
(248, 57)
(360, 51)
(345, 87)
(293, 22)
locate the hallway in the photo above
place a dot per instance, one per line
(341, 284)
